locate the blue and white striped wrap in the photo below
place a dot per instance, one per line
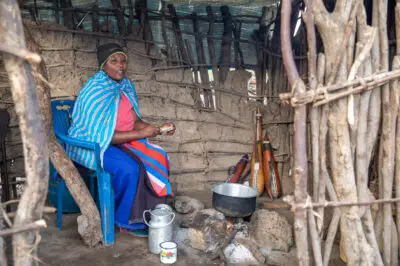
(95, 115)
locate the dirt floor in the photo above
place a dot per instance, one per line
(64, 247)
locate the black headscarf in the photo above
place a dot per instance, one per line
(104, 52)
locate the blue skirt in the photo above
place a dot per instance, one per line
(132, 187)
(124, 180)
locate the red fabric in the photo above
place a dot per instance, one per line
(125, 121)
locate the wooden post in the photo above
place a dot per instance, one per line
(208, 99)
(300, 167)
(261, 38)
(178, 34)
(225, 58)
(30, 208)
(131, 17)
(164, 33)
(119, 15)
(67, 15)
(211, 49)
(314, 117)
(95, 17)
(56, 14)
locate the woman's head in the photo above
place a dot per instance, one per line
(112, 60)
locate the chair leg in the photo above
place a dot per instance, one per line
(60, 194)
(106, 195)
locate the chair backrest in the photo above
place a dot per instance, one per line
(62, 112)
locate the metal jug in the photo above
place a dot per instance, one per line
(160, 227)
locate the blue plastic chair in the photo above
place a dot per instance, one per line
(62, 111)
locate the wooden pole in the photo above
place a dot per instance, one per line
(131, 17)
(213, 60)
(300, 167)
(95, 17)
(67, 15)
(397, 160)
(164, 33)
(119, 15)
(314, 117)
(178, 34)
(387, 140)
(208, 100)
(225, 58)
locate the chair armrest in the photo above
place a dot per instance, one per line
(79, 143)
(82, 144)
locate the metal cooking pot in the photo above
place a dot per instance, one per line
(234, 200)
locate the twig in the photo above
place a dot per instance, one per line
(333, 226)
(315, 241)
(319, 96)
(45, 210)
(322, 173)
(356, 90)
(6, 217)
(23, 228)
(334, 204)
(21, 53)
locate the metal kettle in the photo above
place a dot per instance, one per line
(160, 227)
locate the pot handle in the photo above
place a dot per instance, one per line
(144, 218)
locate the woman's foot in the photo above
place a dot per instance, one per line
(135, 232)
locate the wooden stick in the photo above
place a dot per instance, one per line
(213, 60)
(300, 167)
(314, 117)
(368, 83)
(334, 224)
(225, 56)
(315, 241)
(207, 94)
(330, 204)
(164, 33)
(21, 53)
(312, 81)
(46, 209)
(357, 90)
(56, 14)
(95, 15)
(397, 157)
(178, 34)
(24, 228)
(119, 15)
(387, 139)
(322, 173)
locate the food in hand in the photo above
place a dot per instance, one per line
(166, 128)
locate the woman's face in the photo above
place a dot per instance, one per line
(116, 67)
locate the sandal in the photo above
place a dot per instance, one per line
(143, 233)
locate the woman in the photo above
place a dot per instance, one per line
(106, 111)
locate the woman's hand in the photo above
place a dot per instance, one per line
(169, 125)
(150, 131)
